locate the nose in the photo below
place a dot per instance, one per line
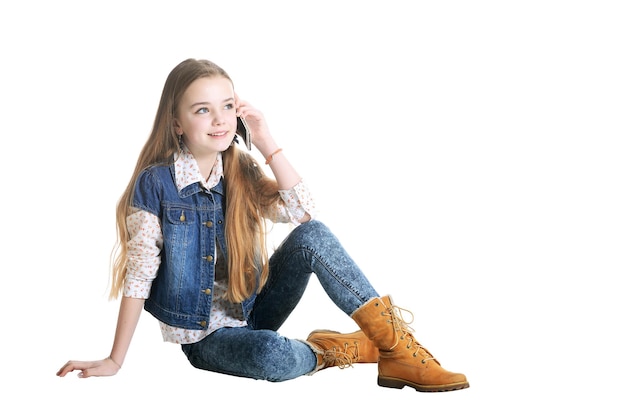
(218, 118)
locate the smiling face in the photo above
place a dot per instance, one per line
(206, 116)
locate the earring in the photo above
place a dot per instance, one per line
(180, 144)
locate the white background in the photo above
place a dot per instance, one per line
(469, 154)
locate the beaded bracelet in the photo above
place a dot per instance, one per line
(269, 158)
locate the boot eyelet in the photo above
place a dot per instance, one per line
(415, 355)
(423, 361)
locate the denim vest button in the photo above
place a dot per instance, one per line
(202, 323)
(208, 224)
(207, 291)
(208, 258)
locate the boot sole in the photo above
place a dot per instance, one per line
(401, 383)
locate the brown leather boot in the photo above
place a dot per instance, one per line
(341, 349)
(402, 359)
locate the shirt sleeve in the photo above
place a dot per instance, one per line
(144, 250)
(297, 202)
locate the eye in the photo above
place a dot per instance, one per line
(202, 110)
(229, 106)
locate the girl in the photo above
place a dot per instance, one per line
(191, 233)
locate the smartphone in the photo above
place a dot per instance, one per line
(244, 132)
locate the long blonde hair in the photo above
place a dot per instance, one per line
(249, 192)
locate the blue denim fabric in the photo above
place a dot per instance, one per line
(258, 351)
(192, 221)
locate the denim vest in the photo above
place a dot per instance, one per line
(192, 222)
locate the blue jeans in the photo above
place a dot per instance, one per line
(258, 351)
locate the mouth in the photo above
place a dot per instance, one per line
(219, 135)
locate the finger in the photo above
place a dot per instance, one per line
(242, 110)
(71, 366)
(66, 370)
(238, 102)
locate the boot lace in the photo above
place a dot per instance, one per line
(341, 358)
(404, 332)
